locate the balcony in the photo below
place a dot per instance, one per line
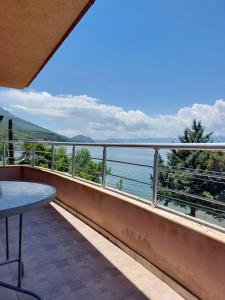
(94, 242)
(66, 259)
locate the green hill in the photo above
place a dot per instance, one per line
(81, 139)
(24, 130)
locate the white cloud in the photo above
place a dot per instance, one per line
(72, 115)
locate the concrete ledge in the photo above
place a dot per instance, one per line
(182, 252)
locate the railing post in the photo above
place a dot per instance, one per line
(103, 166)
(73, 161)
(3, 156)
(33, 155)
(53, 157)
(155, 178)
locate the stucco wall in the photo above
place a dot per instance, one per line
(10, 173)
(190, 253)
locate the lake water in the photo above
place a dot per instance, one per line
(140, 189)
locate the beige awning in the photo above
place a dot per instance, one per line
(30, 33)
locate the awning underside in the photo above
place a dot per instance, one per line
(30, 33)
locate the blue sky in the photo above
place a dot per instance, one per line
(150, 56)
(143, 55)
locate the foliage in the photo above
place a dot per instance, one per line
(119, 184)
(42, 155)
(188, 172)
(62, 160)
(85, 167)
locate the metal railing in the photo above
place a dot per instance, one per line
(158, 192)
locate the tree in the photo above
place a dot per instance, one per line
(62, 160)
(191, 159)
(186, 174)
(43, 155)
(86, 168)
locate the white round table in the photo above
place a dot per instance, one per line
(17, 197)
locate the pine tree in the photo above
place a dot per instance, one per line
(184, 169)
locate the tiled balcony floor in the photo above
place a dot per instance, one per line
(66, 260)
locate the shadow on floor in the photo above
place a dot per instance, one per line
(60, 263)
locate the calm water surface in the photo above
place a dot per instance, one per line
(140, 173)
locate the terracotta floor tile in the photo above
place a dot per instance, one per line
(69, 260)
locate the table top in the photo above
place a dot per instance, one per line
(17, 197)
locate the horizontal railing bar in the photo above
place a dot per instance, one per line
(194, 172)
(25, 151)
(57, 164)
(43, 158)
(204, 199)
(195, 205)
(45, 152)
(123, 162)
(208, 180)
(129, 163)
(198, 176)
(93, 157)
(162, 146)
(127, 178)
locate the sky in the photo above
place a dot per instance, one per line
(133, 69)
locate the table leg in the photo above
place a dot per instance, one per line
(6, 238)
(10, 286)
(20, 290)
(20, 251)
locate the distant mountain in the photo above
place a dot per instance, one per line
(81, 139)
(216, 139)
(139, 140)
(24, 130)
